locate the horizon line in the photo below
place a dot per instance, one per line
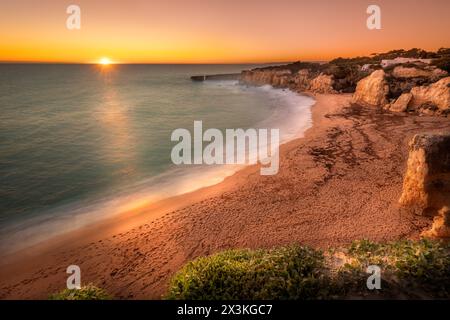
(151, 63)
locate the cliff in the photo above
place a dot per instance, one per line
(426, 186)
(301, 81)
(408, 85)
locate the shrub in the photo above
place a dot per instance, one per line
(88, 292)
(284, 273)
(413, 265)
(414, 269)
(442, 63)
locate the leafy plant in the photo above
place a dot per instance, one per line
(88, 292)
(285, 273)
(409, 268)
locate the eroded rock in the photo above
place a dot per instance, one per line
(413, 72)
(437, 94)
(426, 186)
(401, 104)
(441, 225)
(372, 90)
(322, 84)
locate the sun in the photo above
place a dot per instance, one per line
(105, 61)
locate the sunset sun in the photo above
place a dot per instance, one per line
(105, 61)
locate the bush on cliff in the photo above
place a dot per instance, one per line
(283, 273)
(442, 63)
(416, 269)
(88, 292)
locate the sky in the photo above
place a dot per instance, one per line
(216, 31)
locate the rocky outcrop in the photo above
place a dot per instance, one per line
(261, 77)
(437, 94)
(303, 80)
(412, 72)
(372, 90)
(418, 88)
(401, 104)
(441, 225)
(426, 186)
(322, 84)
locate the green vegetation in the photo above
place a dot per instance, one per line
(415, 269)
(285, 273)
(88, 292)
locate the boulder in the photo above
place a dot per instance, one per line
(426, 186)
(322, 84)
(437, 94)
(372, 90)
(441, 225)
(401, 104)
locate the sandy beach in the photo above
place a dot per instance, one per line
(339, 183)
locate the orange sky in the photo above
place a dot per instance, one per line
(216, 31)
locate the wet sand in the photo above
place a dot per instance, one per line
(341, 182)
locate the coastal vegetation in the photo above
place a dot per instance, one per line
(409, 269)
(87, 292)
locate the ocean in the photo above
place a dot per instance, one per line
(79, 143)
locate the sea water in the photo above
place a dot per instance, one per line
(79, 143)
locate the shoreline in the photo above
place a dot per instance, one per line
(172, 183)
(328, 192)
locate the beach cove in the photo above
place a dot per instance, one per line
(340, 182)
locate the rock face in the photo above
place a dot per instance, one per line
(401, 104)
(372, 90)
(437, 94)
(412, 72)
(426, 186)
(303, 80)
(322, 84)
(261, 77)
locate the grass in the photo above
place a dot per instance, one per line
(88, 292)
(410, 269)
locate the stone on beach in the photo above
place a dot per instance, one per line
(372, 90)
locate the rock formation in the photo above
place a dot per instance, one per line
(426, 186)
(410, 85)
(303, 80)
(401, 104)
(437, 94)
(372, 90)
(414, 72)
(441, 225)
(322, 84)
(261, 77)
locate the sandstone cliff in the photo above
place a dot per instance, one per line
(322, 84)
(406, 87)
(303, 80)
(426, 186)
